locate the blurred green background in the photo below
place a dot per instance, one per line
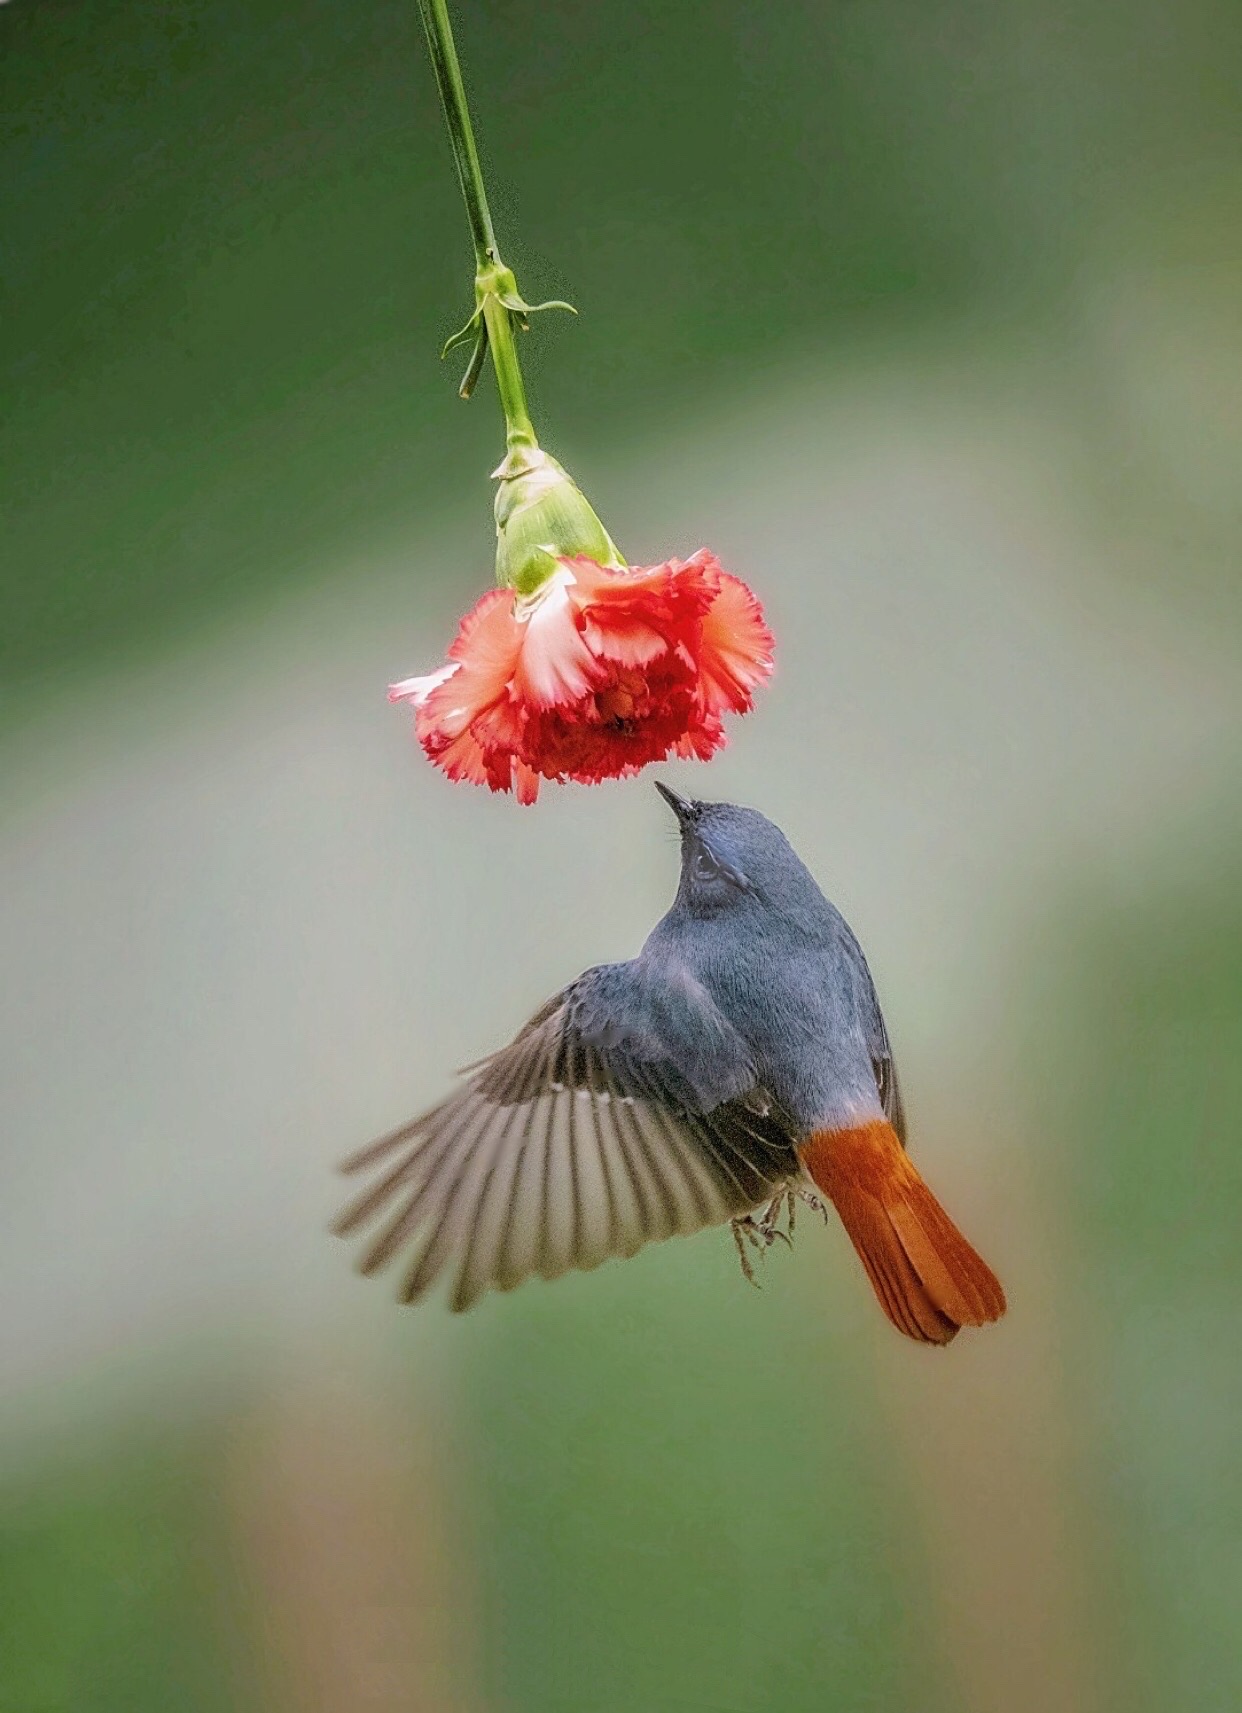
(928, 319)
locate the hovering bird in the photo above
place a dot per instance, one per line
(739, 1062)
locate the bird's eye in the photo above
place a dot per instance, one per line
(707, 868)
(705, 865)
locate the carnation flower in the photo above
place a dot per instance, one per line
(597, 672)
(578, 666)
(581, 667)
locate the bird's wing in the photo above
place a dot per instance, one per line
(885, 1068)
(586, 1137)
(883, 1064)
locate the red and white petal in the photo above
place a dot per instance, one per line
(462, 757)
(555, 668)
(736, 649)
(415, 691)
(525, 782)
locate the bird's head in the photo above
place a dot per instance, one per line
(736, 859)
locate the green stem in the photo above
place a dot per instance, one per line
(496, 328)
(499, 324)
(461, 132)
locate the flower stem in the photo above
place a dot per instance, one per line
(498, 321)
(461, 132)
(494, 320)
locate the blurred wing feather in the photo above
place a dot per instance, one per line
(585, 1138)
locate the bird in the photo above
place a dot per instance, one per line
(738, 1064)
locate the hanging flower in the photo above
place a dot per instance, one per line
(596, 673)
(578, 666)
(581, 669)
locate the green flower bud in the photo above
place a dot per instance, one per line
(542, 516)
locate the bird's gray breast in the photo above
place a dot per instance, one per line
(797, 1002)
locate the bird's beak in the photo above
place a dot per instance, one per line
(683, 810)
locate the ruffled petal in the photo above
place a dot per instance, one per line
(415, 691)
(736, 648)
(701, 740)
(481, 661)
(634, 643)
(555, 668)
(461, 757)
(635, 615)
(525, 782)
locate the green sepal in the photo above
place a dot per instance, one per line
(523, 311)
(474, 368)
(463, 335)
(542, 516)
(495, 281)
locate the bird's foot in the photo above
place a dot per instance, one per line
(744, 1231)
(763, 1232)
(781, 1206)
(811, 1200)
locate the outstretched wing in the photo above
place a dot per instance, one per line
(625, 1112)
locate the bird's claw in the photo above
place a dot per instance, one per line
(745, 1228)
(763, 1232)
(811, 1200)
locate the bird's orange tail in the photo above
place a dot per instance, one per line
(929, 1280)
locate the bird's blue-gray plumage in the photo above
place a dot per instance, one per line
(651, 1097)
(751, 929)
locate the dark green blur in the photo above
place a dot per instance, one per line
(233, 243)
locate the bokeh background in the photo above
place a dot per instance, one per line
(926, 315)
